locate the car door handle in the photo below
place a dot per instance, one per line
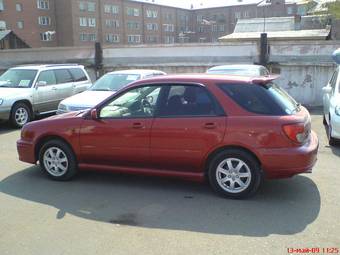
(210, 125)
(137, 125)
(54, 88)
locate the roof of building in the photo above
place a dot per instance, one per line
(200, 4)
(4, 33)
(314, 34)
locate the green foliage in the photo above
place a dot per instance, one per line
(334, 9)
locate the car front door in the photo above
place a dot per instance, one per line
(187, 126)
(120, 137)
(45, 93)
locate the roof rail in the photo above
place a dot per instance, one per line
(53, 65)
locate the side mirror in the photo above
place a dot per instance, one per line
(40, 84)
(327, 90)
(94, 114)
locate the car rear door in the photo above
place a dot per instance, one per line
(64, 83)
(187, 126)
(81, 81)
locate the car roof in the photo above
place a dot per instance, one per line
(206, 79)
(241, 66)
(141, 72)
(47, 66)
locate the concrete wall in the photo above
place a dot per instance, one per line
(305, 67)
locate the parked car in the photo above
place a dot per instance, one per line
(28, 91)
(106, 86)
(243, 70)
(331, 103)
(231, 130)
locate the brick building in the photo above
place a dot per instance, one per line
(42, 23)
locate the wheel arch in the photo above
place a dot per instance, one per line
(224, 148)
(23, 101)
(44, 139)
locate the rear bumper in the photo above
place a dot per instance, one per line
(287, 162)
(26, 152)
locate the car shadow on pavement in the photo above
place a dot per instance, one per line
(281, 206)
(5, 128)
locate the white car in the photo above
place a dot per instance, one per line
(331, 102)
(244, 70)
(103, 88)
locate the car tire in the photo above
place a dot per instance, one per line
(58, 161)
(232, 180)
(20, 115)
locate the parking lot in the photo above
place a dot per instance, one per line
(101, 213)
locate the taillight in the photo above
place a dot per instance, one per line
(298, 133)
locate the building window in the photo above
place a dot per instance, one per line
(83, 37)
(3, 25)
(290, 10)
(214, 28)
(246, 14)
(2, 5)
(201, 29)
(92, 22)
(44, 21)
(134, 38)
(114, 9)
(82, 6)
(168, 16)
(169, 27)
(91, 6)
(46, 37)
(83, 21)
(132, 12)
(199, 18)
(111, 38)
(132, 25)
(43, 4)
(112, 23)
(237, 15)
(169, 39)
(151, 13)
(20, 24)
(152, 26)
(18, 7)
(221, 28)
(92, 37)
(151, 39)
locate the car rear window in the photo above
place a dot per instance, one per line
(268, 100)
(63, 76)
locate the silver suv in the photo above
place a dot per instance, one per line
(28, 91)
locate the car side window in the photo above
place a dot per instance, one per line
(78, 74)
(63, 76)
(48, 77)
(187, 100)
(139, 102)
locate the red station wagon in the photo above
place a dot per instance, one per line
(232, 130)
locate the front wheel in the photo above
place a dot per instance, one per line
(58, 160)
(235, 174)
(20, 115)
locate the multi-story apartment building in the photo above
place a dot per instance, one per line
(34, 21)
(82, 22)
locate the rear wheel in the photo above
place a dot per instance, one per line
(235, 174)
(58, 160)
(20, 115)
(331, 140)
(324, 121)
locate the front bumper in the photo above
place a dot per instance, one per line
(287, 162)
(26, 151)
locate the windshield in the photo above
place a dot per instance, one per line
(17, 78)
(114, 82)
(241, 72)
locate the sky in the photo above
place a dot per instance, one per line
(201, 3)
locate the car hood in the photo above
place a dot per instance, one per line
(12, 92)
(87, 99)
